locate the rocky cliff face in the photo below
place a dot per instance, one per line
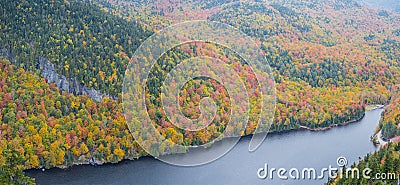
(70, 85)
(7, 55)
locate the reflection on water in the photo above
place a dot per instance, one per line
(296, 149)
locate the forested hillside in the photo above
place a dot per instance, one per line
(81, 39)
(390, 122)
(385, 165)
(42, 127)
(330, 59)
(313, 47)
(390, 5)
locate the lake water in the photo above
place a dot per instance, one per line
(295, 149)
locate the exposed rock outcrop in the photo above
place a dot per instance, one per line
(7, 54)
(70, 85)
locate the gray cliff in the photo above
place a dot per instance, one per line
(69, 85)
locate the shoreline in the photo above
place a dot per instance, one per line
(93, 162)
(378, 139)
(334, 125)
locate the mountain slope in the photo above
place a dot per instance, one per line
(392, 5)
(82, 40)
(329, 58)
(328, 45)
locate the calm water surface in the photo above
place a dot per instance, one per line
(297, 149)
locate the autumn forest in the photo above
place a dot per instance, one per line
(330, 60)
